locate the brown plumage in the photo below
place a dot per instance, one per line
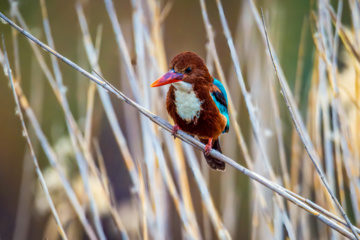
(208, 123)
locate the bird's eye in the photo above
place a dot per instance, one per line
(188, 70)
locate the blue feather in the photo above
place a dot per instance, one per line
(221, 101)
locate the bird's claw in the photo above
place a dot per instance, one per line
(208, 147)
(175, 129)
(207, 150)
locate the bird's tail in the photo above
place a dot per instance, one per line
(213, 162)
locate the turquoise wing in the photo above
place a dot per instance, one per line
(219, 96)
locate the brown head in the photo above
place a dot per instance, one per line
(187, 67)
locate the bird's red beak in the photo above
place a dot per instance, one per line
(169, 77)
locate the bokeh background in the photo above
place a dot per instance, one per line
(23, 210)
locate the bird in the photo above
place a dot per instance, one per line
(196, 102)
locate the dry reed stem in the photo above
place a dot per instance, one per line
(154, 181)
(185, 137)
(305, 138)
(54, 163)
(59, 91)
(351, 49)
(279, 135)
(28, 141)
(142, 77)
(124, 51)
(142, 195)
(91, 93)
(251, 110)
(14, 35)
(105, 99)
(339, 118)
(41, 137)
(187, 220)
(92, 54)
(233, 114)
(106, 183)
(328, 52)
(23, 213)
(352, 175)
(102, 167)
(247, 96)
(293, 110)
(72, 128)
(237, 127)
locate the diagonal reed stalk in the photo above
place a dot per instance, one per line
(236, 126)
(186, 138)
(304, 137)
(28, 141)
(188, 220)
(80, 157)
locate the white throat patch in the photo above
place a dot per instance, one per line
(187, 104)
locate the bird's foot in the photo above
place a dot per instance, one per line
(175, 129)
(208, 147)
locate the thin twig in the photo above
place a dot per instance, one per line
(35, 161)
(72, 128)
(233, 114)
(310, 152)
(118, 133)
(185, 137)
(247, 96)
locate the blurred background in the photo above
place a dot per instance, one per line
(129, 166)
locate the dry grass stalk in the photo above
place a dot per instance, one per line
(28, 141)
(233, 113)
(157, 184)
(186, 138)
(306, 141)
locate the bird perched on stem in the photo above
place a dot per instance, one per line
(196, 102)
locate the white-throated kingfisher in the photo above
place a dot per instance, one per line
(196, 102)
